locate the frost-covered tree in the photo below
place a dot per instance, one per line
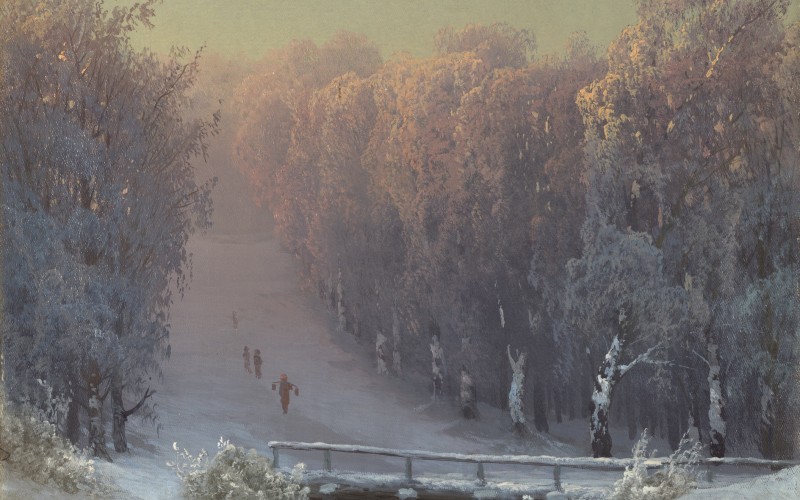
(97, 157)
(623, 311)
(690, 134)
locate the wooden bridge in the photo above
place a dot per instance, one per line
(327, 484)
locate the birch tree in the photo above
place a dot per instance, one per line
(516, 403)
(624, 311)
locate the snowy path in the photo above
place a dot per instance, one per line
(206, 393)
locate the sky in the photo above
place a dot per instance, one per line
(251, 27)
(248, 28)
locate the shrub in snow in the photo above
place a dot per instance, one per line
(676, 478)
(235, 473)
(38, 453)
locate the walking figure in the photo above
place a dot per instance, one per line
(285, 389)
(246, 358)
(257, 363)
(235, 320)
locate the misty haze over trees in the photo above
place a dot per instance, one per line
(618, 228)
(606, 215)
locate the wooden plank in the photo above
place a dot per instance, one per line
(548, 461)
(543, 460)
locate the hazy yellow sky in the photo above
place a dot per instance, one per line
(250, 27)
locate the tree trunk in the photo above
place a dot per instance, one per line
(673, 425)
(118, 432)
(397, 362)
(121, 415)
(607, 376)
(571, 404)
(776, 439)
(630, 417)
(97, 431)
(716, 409)
(540, 407)
(557, 405)
(340, 309)
(516, 404)
(601, 404)
(73, 423)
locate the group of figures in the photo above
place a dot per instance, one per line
(283, 386)
(256, 361)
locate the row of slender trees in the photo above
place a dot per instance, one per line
(99, 199)
(631, 213)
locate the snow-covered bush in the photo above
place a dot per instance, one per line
(38, 453)
(46, 406)
(676, 478)
(235, 473)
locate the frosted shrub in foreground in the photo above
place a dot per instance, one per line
(676, 478)
(38, 453)
(235, 473)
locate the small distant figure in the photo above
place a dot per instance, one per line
(235, 320)
(246, 358)
(285, 389)
(468, 395)
(257, 363)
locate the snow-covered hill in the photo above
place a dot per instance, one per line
(206, 394)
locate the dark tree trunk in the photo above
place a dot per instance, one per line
(630, 417)
(673, 426)
(540, 407)
(118, 433)
(73, 423)
(97, 431)
(716, 410)
(652, 416)
(571, 405)
(557, 404)
(121, 415)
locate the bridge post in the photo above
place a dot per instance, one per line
(481, 476)
(326, 460)
(275, 455)
(408, 469)
(557, 477)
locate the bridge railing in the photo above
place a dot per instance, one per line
(557, 463)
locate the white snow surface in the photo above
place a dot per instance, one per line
(779, 486)
(205, 392)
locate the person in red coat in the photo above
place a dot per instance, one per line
(285, 389)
